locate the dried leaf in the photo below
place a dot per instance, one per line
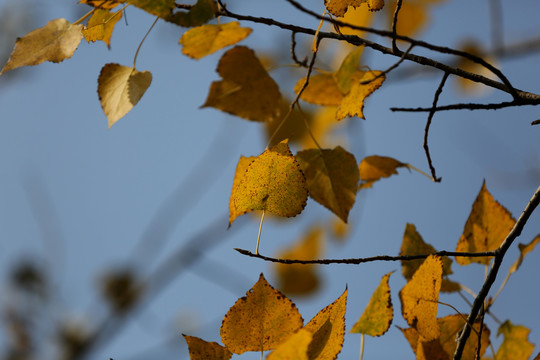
(207, 39)
(486, 228)
(120, 88)
(332, 178)
(260, 321)
(101, 26)
(202, 350)
(375, 167)
(516, 345)
(339, 7)
(378, 315)
(294, 348)
(419, 298)
(353, 103)
(246, 90)
(54, 42)
(328, 329)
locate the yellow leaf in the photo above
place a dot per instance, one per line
(202, 350)
(322, 126)
(260, 321)
(272, 182)
(328, 329)
(120, 88)
(101, 4)
(294, 348)
(299, 279)
(524, 249)
(419, 298)
(353, 103)
(293, 128)
(200, 13)
(332, 178)
(486, 228)
(356, 16)
(101, 26)
(54, 42)
(516, 345)
(161, 8)
(322, 89)
(378, 314)
(343, 76)
(373, 168)
(246, 90)
(339, 7)
(207, 39)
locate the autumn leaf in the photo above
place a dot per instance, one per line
(353, 103)
(101, 26)
(349, 65)
(413, 15)
(468, 86)
(260, 321)
(202, 350)
(300, 279)
(246, 90)
(375, 167)
(291, 127)
(120, 88)
(486, 228)
(54, 42)
(419, 298)
(332, 178)
(328, 329)
(200, 13)
(524, 249)
(360, 17)
(272, 182)
(378, 315)
(294, 348)
(101, 4)
(322, 89)
(161, 8)
(339, 7)
(516, 345)
(207, 39)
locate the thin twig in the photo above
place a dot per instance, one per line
(394, 27)
(535, 122)
(385, 72)
(302, 63)
(468, 106)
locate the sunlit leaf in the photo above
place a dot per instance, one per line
(486, 228)
(359, 16)
(260, 321)
(322, 89)
(294, 348)
(120, 88)
(524, 249)
(54, 42)
(200, 13)
(101, 4)
(328, 329)
(202, 350)
(207, 39)
(516, 345)
(272, 182)
(246, 90)
(378, 314)
(101, 26)
(375, 167)
(353, 103)
(332, 178)
(419, 298)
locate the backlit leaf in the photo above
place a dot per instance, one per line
(101, 26)
(378, 314)
(486, 228)
(202, 350)
(419, 298)
(322, 89)
(246, 90)
(120, 88)
(332, 178)
(207, 39)
(328, 329)
(294, 348)
(260, 321)
(272, 182)
(516, 345)
(524, 249)
(200, 13)
(353, 103)
(375, 167)
(101, 4)
(54, 42)
(349, 65)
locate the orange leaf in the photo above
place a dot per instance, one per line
(246, 90)
(486, 228)
(419, 298)
(516, 345)
(328, 329)
(260, 321)
(202, 350)
(375, 167)
(101, 26)
(294, 348)
(353, 102)
(377, 316)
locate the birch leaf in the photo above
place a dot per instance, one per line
(206, 39)
(375, 167)
(294, 348)
(202, 350)
(120, 88)
(343, 77)
(516, 345)
(101, 26)
(54, 42)
(322, 89)
(353, 103)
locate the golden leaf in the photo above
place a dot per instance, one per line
(343, 76)
(353, 102)
(328, 329)
(378, 314)
(246, 90)
(294, 348)
(207, 39)
(419, 298)
(120, 88)
(524, 249)
(202, 350)
(375, 167)
(332, 178)
(516, 345)
(101, 26)
(101, 4)
(272, 182)
(486, 228)
(339, 7)
(356, 16)
(260, 321)
(54, 42)
(322, 89)
(292, 128)
(161, 8)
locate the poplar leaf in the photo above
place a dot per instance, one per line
(516, 345)
(328, 329)
(486, 228)
(101, 4)
(353, 103)
(202, 350)
(419, 298)
(332, 178)
(294, 348)
(101, 26)
(375, 167)
(120, 88)
(377, 316)
(54, 42)
(524, 249)
(207, 39)
(246, 90)
(260, 321)
(272, 182)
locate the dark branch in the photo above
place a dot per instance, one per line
(469, 106)
(394, 26)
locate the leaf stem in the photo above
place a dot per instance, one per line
(259, 235)
(361, 346)
(412, 167)
(142, 41)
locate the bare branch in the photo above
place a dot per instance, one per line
(394, 27)
(468, 106)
